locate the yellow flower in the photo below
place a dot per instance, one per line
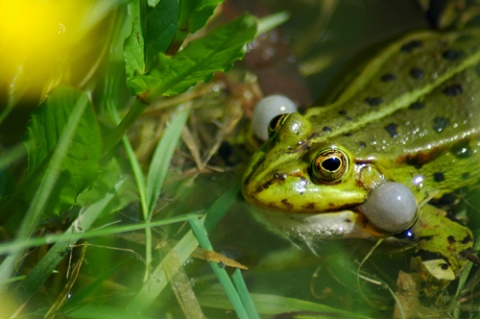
(39, 40)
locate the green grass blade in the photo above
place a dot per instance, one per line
(202, 237)
(163, 154)
(158, 279)
(7, 248)
(142, 194)
(244, 294)
(135, 165)
(230, 290)
(183, 290)
(181, 251)
(149, 190)
(273, 305)
(272, 21)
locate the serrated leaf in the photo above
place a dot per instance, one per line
(81, 163)
(134, 52)
(161, 28)
(194, 14)
(197, 62)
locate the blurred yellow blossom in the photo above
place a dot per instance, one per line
(38, 39)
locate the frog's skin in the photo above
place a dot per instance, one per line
(412, 116)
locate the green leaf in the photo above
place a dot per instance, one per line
(161, 28)
(154, 28)
(110, 174)
(134, 52)
(194, 14)
(49, 262)
(197, 62)
(47, 187)
(80, 166)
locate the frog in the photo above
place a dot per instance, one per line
(405, 131)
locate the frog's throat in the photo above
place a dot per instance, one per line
(313, 227)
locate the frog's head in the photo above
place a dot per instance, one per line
(304, 185)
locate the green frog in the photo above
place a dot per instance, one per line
(404, 132)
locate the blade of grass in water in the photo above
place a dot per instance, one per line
(69, 237)
(181, 251)
(232, 293)
(244, 294)
(273, 305)
(163, 154)
(183, 290)
(141, 187)
(149, 190)
(158, 279)
(159, 165)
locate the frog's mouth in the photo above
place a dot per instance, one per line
(313, 227)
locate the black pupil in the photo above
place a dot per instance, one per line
(331, 164)
(274, 122)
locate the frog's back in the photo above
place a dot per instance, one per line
(415, 109)
(404, 73)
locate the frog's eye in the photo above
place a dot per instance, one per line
(266, 111)
(391, 207)
(330, 165)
